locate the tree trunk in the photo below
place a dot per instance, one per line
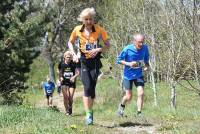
(51, 64)
(46, 52)
(154, 87)
(173, 93)
(195, 42)
(153, 68)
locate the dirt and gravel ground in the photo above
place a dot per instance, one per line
(140, 126)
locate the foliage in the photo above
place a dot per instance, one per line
(62, 23)
(19, 26)
(155, 19)
(23, 25)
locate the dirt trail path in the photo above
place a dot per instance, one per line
(137, 127)
(58, 101)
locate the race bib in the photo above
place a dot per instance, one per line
(68, 75)
(139, 65)
(90, 46)
(49, 91)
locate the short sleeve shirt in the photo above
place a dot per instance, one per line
(49, 87)
(67, 70)
(130, 53)
(87, 43)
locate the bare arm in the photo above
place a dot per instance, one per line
(44, 92)
(60, 78)
(72, 79)
(130, 64)
(77, 73)
(71, 48)
(146, 67)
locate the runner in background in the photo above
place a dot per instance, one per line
(48, 88)
(68, 73)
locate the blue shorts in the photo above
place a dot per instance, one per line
(128, 84)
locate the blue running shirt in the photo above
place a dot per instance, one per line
(49, 87)
(129, 54)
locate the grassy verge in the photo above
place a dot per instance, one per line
(29, 119)
(37, 75)
(24, 119)
(185, 119)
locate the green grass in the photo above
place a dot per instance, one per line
(26, 119)
(29, 119)
(37, 75)
(185, 119)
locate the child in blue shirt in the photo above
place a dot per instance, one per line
(49, 87)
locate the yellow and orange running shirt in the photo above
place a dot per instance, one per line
(87, 43)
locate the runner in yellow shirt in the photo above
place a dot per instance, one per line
(87, 37)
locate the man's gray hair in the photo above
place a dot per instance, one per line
(138, 35)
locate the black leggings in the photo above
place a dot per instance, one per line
(89, 75)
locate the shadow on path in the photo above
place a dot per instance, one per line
(125, 124)
(132, 124)
(128, 127)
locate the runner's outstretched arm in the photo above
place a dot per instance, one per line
(71, 49)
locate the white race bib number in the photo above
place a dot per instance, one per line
(68, 75)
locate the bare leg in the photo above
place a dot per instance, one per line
(47, 101)
(65, 96)
(91, 103)
(50, 101)
(127, 97)
(71, 95)
(140, 98)
(88, 103)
